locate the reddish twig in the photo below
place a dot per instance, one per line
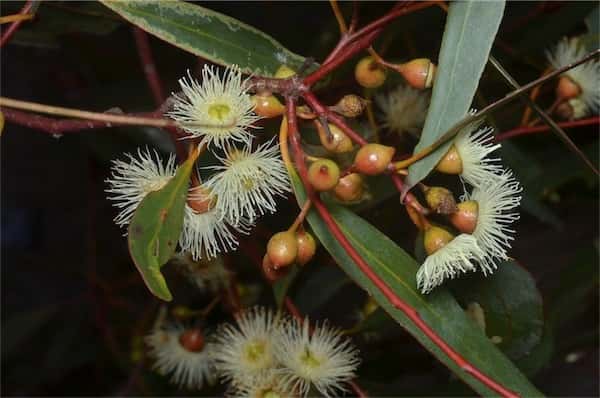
(321, 110)
(59, 126)
(64, 126)
(15, 25)
(352, 43)
(143, 46)
(381, 285)
(526, 130)
(293, 310)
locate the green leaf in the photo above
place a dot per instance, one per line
(208, 34)
(511, 303)
(155, 229)
(439, 309)
(281, 287)
(471, 27)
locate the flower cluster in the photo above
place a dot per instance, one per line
(482, 218)
(267, 354)
(579, 87)
(245, 184)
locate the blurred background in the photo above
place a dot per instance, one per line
(74, 308)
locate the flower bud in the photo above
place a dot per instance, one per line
(323, 174)
(369, 73)
(192, 340)
(267, 105)
(350, 188)
(565, 111)
(271, 273)
(435, 238)
(306, 247)
(350, 106)
(282, 249)
(284, 72)
(337, 142)
(440, 200)
(572, 109)
(200, 199)
(567, 88)
(419, 73)
(465, 217)
(373, 159)
(451, 163)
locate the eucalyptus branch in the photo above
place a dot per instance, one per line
(145, 52)
(27, 8)
(527, 130)
(94, 116)
(379, 283)
(551, 123)
(492, 107)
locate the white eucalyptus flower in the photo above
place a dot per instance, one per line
(218, 109)
(270, 386)
(206, 233)
(404, 109)
(458, 256)
(585, 76)
(496, 200)
(323, 358)
(244, 354)
(131, 181)
(189, 367)
(247, 182)
(473, 145)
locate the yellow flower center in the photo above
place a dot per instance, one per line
(309, 359)
(248, 184)
(270, 394)
(255, 351)
(219, 111)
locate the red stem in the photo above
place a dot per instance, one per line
(59, 126)
(64, 126)
(526, 130)
(351, 44)
(321, 110)
(145, 52)
(389, 294)
(15, 25)
(345, 52)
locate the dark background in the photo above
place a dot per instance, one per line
(73, 305)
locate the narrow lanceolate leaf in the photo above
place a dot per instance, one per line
(471, 27)
(438, 309)
(208, 34)
(155, 229)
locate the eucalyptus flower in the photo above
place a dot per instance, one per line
(218, 109)
(131, 181)
(183, 354)
(323, 358)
